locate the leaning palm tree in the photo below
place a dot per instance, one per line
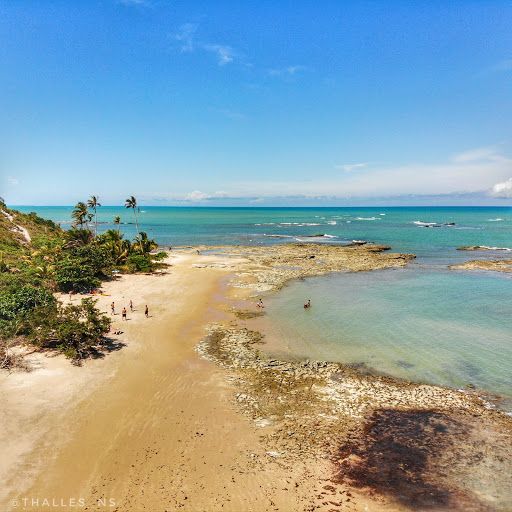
(131, 202)
(80, 214)
(117, 220)
(93, 203)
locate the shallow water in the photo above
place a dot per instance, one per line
(449, 328)
(425, 323)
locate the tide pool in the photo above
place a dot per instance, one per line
(448, 328)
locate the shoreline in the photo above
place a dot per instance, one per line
(286, 458)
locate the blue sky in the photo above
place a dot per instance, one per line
(258, 103)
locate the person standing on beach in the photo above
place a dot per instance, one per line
(113, 309)
(124, 313)
(146, 312)
(131, 306)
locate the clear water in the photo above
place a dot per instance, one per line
(448, 328)
(423, 323)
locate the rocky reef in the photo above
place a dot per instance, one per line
(405, 445)
(412, 445)
(268, 268)
(493, 265)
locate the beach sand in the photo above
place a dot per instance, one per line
(153, 426)
(149, 426)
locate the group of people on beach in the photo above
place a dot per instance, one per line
(123, 313)
(115, 330)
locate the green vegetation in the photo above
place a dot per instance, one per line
(38, 260)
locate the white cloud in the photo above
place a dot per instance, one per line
(197, 195)
(224, 53)
(489, 154)
(503, 189)
(186, 36)
(351, 167)
(468, 175)
(12, 181)
(476, 175)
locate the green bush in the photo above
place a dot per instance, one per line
(24, 300)
(139, 263)
(74, 330)
(159, 256)
(70, 275)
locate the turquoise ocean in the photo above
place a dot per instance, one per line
(425, 322)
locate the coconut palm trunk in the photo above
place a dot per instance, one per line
(131, 202)
(93, 203)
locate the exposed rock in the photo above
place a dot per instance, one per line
(268, 268)
(494, 265)
(482, 248)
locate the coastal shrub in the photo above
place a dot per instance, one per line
(139, 263)
(22, 300)
(96, 257)
(77, 237)
(42, 222)
(70, 275)
(74, 330)
(10, 281)
(159, 256)
(45, 242)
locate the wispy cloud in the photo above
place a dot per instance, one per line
(474, 172)
(287, 71)
(478, 176)
(489, 154)
(351, 167)
(12, 181)
(197, 195)
(224, 53)
(187, 37)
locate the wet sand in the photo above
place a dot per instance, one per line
(154, 426)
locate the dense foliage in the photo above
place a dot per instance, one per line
(39, 259)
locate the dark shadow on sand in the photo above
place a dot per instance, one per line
(109, 345)
(398, 454)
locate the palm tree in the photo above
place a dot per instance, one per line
(117, 220)
(80, 213)
(111, 235)
(93, 203)
(146, 245)
(132, 203)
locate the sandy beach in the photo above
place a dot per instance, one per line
(157, 425)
